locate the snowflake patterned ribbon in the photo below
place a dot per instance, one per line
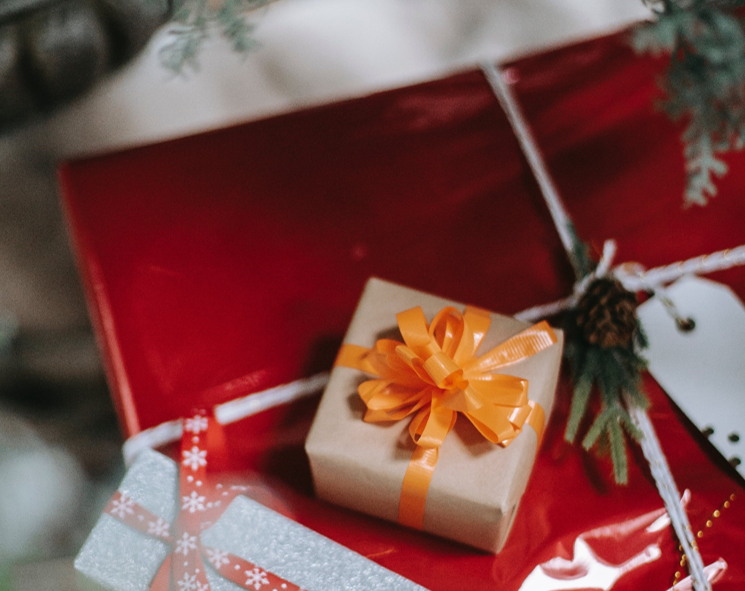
(200, 504)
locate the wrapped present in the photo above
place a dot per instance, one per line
(232, 261)
(498, 373)
(173, 527)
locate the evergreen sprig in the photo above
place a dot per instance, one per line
(194, 19)
(704, 84)
(612, 372)
(579, 257)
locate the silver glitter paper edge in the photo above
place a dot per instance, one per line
(118, 558)
(297, 553)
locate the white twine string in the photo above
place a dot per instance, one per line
(668, 490)
(632, 276)
(635, 278)
(551, 194)
(546, 310)
(650, 444)
(226, 413)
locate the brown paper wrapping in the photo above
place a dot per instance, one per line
(477, 485)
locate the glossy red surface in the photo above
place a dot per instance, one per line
(237, 256)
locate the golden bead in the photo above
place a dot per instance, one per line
(726, 504)
(717, 513)
(700, 534)
(709, 523)
(732, 497)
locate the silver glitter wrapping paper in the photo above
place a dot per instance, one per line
(296, 553)
(117, 558)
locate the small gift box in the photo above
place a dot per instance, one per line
(499, 373)
(134, 547)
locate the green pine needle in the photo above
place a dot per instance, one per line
(235, 28)
(580, 400)
(630, 427)
(611, 373)
(193, 21)
(702, 165)
(182, 51)
(618, 452)
(704, 84)
(598, 428)
(579, 257)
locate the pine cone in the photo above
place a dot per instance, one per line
(606, 314)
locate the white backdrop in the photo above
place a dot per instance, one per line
(319, 50)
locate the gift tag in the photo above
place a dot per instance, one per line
(702, 370)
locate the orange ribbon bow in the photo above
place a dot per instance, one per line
(436, 374)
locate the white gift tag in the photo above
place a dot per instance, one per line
(703, 370)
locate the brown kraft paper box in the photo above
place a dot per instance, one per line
(476, 486)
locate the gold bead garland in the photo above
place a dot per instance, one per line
(700, 534)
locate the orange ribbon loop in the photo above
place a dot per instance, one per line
(434, 375)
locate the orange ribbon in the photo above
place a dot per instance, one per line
(435, 374)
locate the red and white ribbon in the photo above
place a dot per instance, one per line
(226, 413)
(201, 502)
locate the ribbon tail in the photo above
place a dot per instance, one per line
(162, 579)
(415, 486)
(521, 346)
(354, 357)
(536, 419)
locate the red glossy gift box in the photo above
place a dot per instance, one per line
(230, 262)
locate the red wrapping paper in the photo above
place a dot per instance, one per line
(231, 261)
